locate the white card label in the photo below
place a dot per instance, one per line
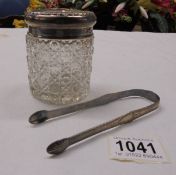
(136, 149)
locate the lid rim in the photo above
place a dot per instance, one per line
(60, 33)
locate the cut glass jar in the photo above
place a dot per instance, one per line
(59, 54)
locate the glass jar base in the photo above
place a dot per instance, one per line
(62, 100)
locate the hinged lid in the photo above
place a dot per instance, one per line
(62, 18)
(60, 23)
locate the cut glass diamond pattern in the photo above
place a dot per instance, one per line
(59, 70)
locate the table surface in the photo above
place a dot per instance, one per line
(121, 61)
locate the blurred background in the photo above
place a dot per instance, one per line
(12, 10)
(118, 15)
(12, 7)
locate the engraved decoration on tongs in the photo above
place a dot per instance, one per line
(59, 146)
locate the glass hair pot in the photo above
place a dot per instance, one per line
(59, 54)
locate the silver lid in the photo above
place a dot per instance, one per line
(60, 23)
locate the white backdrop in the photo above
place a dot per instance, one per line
(121, 61)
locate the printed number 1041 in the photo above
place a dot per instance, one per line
(131, 147)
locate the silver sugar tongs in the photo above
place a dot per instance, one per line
(59, 146)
